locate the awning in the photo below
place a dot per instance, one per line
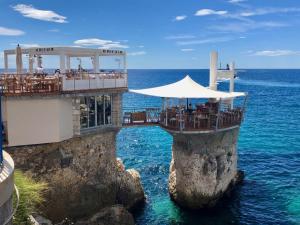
(186, 88)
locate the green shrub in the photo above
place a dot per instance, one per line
(31, 196)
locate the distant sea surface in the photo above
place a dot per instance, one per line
(268, 147)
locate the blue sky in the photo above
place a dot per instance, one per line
(162, 33)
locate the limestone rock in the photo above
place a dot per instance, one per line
(83, 175)
(203, 168)
(130, 193)
(115, 215)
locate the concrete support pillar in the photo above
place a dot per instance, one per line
(76, 116)
(125, 64)
(213, 70)
(231, 85)
(117, 112)
(5, 62)
(62, 63)
(68, 63)
(203, 167)
(31, 61)
(96, 63)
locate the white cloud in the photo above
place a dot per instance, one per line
(176, 37)
(10, 32)
(264, 11)
(205, 41)
(274, 53)
(100, 42)
(137, 53)
(236, 1)
(179, 18)
(141, 46)
(53, 30)
(45, 15)
(187, 49)
(207, 12)
(246, 26)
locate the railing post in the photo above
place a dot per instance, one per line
(218, 115)
(244, 107)
(166, 111)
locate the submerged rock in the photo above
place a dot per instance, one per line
(115, 215)
(203, 168)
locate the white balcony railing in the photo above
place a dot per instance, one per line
(94, 81)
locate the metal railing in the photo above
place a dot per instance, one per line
(138, 116)
(181, 120)
(204, 121)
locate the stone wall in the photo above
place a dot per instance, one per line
(83, 173)
(203, 167)
(117, 109)
(76, 115)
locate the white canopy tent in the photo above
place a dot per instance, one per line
(186, 88)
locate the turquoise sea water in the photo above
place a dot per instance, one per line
(269, 151)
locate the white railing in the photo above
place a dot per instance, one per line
(94, 81)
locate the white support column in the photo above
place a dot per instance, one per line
(96, 63)
(62, 63)
(30, 61)
(231, 85)
(5, 62)
(213, 70)
(68, 63)
(125, 64)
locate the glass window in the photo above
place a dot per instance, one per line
(95, 111)
(107, 104)
(83, 112)
(100, 110)
(92, 112)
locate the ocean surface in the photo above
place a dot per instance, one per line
(268, 147)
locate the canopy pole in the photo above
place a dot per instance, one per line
(244, 106)
(180, 118)
(166, 112)
(5, 62)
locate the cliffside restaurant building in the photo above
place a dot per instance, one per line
(45, 106)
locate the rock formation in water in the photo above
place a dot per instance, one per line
(114, 215)
(83, 173)
(203, 168)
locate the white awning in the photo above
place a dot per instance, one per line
(186, 88)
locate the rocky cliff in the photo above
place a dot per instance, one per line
(203, 167)
(83, 173)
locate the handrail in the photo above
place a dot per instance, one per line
(8, 220)
(183, 121)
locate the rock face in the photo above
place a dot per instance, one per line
(114, 215)
(203, 167)
(130, 193)
(83, 173)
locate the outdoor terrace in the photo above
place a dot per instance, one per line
(202, 118)
(29, 84)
